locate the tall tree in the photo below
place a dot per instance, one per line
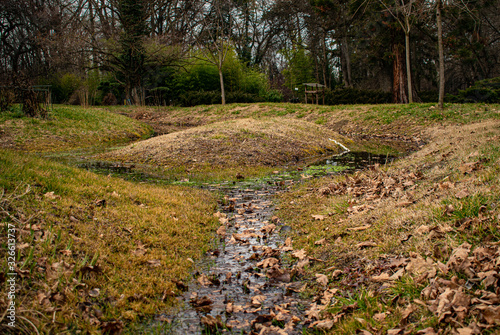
(133, 15)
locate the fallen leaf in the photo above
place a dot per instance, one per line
(321, 242)
(279, 274)
(322, 325)
(204, 281)
(360, 228)
(232, 308)
(268, 262)
(258, 300)
(212, 323)
(318, 217)
(462, 194)
(380, 316)
(94, 292)
(221, 231)
(154, 262)
(322, 279)
(300, 254)
(367, 244)
(427, 331)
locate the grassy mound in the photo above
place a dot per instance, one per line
(246, 142)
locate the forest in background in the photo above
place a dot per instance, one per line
(176, 52)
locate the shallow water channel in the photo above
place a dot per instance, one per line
(244, 285)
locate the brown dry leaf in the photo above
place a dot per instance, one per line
(404, 204)
(467, 168)
(449, 210)
(279, 274)
(232, 308)
(212, 323)
(322, 325)
(204, 281)
(300, 254)
(313, 312)
(395, 331)
(382, 277)
(491, 314)
(367, 244)
(472, 329)
(268, 229)
(418, 266)
(51, 195)
(221, 231)
(322, 279)
(318, 217)
(427, 331)
(360, 228)
(408, 310)
(423, 229)
(328, 295)
(258, 300)
(268, 262)
(321, 242)
(459, 255)
(462, 194)
(154, 263)
(380, 316)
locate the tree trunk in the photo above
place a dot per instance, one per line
(222, 91)
(346, 62)
(399, 83)
(408, 66)
(441, 54)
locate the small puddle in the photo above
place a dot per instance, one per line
(356, 160)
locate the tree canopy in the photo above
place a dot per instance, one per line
(150, 51)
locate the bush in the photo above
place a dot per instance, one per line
(487, 90)
(352, 96)
(194, 98)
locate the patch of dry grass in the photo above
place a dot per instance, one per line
(243, 142)
(95, 252)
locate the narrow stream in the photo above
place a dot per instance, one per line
(236, 293)
(246, 286)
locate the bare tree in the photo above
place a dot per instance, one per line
(214, 41)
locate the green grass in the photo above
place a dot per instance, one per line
(72, 127)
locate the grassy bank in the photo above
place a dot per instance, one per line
(93, 252)
(68, 128)
(409, 248)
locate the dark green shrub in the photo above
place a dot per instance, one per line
(487, 90)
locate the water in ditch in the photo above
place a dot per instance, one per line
(247, 284)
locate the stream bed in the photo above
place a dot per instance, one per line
(247, 284)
